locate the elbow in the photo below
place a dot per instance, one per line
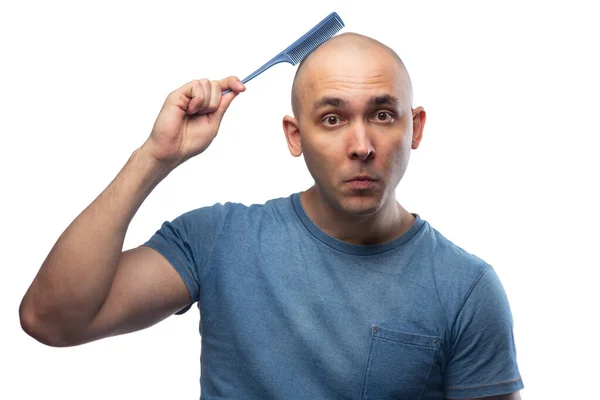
(41, 330)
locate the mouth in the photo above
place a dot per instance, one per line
(361, 182)
(361, 178)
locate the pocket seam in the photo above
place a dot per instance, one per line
(379, 333)
(363, 394)
(415, 339)
(404, 342)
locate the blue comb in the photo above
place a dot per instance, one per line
(302, 47)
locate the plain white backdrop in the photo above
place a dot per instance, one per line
(508, 167)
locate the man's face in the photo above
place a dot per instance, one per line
(355, 126)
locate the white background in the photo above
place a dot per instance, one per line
(508, 167)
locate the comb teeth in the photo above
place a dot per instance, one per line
(302, 47)
(318, 37)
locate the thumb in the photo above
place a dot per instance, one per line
(236, 86)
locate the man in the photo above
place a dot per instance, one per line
(336, 292)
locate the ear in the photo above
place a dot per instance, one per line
(292, 134)
(419, 117)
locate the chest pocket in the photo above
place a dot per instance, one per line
(399, 364)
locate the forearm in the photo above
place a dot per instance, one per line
(76, 277)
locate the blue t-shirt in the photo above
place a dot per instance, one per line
(289, 312)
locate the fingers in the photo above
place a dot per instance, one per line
(199, 93)
(205, 96)
(236, 86)
(233, 83)
(215, 96)
(206, 86)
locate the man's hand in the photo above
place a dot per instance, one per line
(189, 119)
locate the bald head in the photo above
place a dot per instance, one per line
(340, 48)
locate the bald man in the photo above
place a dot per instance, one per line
(334, 292)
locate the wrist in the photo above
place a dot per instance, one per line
(149, 170)
(146, 156)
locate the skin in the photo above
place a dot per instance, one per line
(354, 122)
(88, 288)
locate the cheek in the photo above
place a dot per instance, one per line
(396, 156)
(323, 152)
(317, 160)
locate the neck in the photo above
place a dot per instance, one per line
(386, 224)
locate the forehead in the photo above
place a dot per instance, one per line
(356, 76)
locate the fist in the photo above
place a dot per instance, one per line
(190, 118)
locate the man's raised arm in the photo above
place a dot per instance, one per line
(88, 288)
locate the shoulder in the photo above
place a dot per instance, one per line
(477, 311)
(235, 209)
(454, 271)
(450, 263)
(234, 215)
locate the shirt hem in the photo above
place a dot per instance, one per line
(493, 389)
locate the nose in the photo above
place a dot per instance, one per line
(360, 146)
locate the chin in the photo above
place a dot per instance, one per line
(360, 205)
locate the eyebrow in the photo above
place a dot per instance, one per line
(337, 102)
(383, 100)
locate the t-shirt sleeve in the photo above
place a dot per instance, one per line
(483, 357)
(187, 243)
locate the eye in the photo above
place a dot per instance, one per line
(331, 120)
(384, 116)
